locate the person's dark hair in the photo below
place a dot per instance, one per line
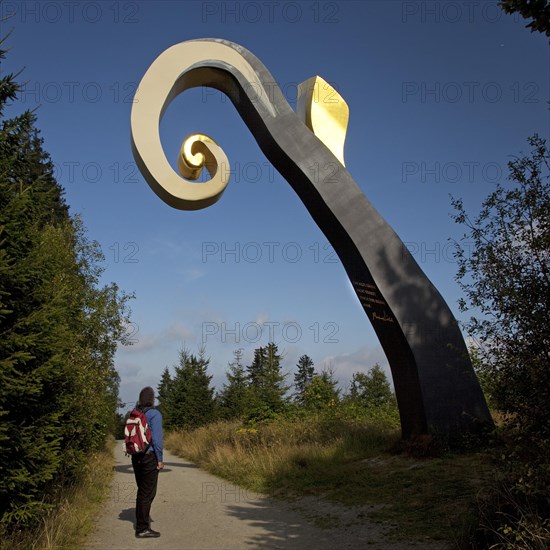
(146, 397)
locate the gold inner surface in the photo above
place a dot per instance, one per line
(325, 112)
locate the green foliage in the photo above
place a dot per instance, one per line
(257, 394)
(537, 10)
(506, 280)
(354, 411)
(321, 392)
(59, 329)
(371, 389)
(266, 379)
(186, 398)
(236, 398)
(120, 423)
(261, 414)
(507, 520)
(165, 396)
(303, 376)
(484, 378)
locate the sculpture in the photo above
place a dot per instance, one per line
(435, 385)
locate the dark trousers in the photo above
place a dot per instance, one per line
(145, 470)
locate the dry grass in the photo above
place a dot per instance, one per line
(256, 457)
(346, 461)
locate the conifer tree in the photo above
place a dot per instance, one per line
(59, 328)
(165, 396)
(266, 378)
(192, 397)
(235, 398)
(303, 377)
(255, 371)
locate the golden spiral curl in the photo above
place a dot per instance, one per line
(164, 80)
(195, 155)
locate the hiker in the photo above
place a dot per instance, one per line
(147, 465)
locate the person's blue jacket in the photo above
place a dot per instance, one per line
(154, 419)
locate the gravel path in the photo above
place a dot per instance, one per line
(196, 510)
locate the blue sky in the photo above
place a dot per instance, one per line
(441, 94)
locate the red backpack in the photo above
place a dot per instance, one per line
(137, 434)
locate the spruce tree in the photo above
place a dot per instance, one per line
(255, 371)
(303, 377)
(59, 329)
(165, 397)
(267, 380)
(192, 395)
(235, 398)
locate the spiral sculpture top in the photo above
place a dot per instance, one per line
(170, 74)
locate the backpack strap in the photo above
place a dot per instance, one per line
(144, 410)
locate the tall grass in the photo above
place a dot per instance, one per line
(73, 511)
(260, 455)
(351, 457)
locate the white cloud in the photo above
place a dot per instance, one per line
(361, 360)
(176, 332)
(165, 247)
(128, 370)
(261, 318)
(193, 273)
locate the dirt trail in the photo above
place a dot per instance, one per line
(196, 510)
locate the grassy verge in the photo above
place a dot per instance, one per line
(346, 461)
(76, 509)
